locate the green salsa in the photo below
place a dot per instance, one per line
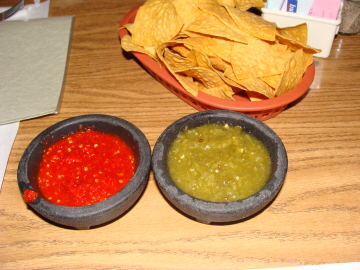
(218, 163)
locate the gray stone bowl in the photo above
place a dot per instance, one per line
(102, 212)
(215, 212)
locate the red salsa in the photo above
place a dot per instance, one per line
(85, 168)
(30, 196)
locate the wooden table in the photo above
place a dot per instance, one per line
(314, 220)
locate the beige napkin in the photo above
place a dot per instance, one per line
(8, 131)
(34, 59)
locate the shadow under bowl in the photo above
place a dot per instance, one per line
(206, 211)
(84, 217)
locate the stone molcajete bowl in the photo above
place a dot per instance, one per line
(85, 217)
(205, 211)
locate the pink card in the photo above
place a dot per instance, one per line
(327, 9)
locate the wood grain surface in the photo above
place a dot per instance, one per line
(315, 219)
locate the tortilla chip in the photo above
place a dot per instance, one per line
(177, 62)
(223, 15)
(254, 96)
(209, 79)
(184, 51)
(252, 84)
(212, 26)
(230, 3)
(257, 85)
(188, 10)
(156, 21)
(298, 33)
(272, 81)
(202, 43)
(217, 47)
(222, 48)
(257, 59)
(295, 38)
(129, 27)
(218, 64)
(202, 59)
(252, 24)
(247, 4)
(293, 72)
(219, 92)
(129, 46)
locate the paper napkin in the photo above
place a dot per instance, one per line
(8, 131)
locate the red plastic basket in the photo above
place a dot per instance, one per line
(261, 110)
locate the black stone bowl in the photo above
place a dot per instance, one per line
(85, 217)
(206, 211)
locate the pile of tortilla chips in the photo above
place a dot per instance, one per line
(220, 48)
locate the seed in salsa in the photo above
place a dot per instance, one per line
(218, 163)
(85, 168)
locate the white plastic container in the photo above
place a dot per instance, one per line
(321, 32)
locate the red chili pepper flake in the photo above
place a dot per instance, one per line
(85, 168)
(30, 196)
